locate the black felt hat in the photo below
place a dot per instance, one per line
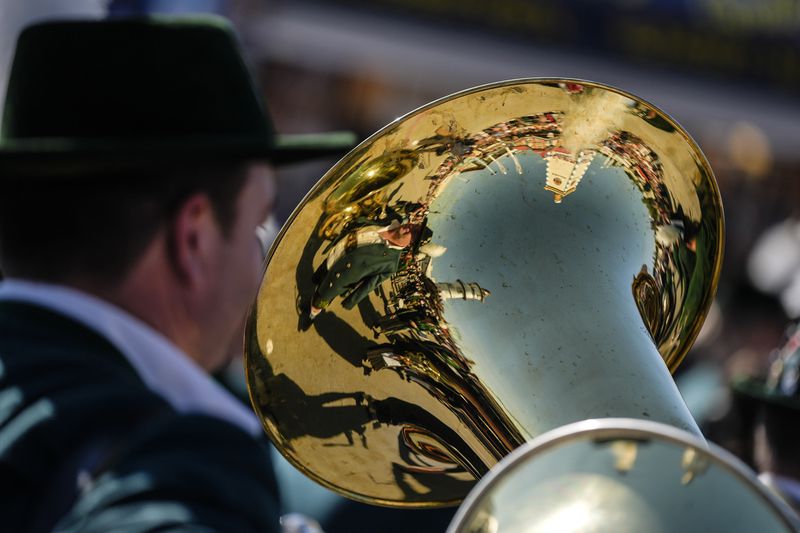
(116, 93)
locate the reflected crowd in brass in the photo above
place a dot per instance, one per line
(423, 248)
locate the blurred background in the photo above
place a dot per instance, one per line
(727, 70)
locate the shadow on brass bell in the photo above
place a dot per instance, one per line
(494, 265)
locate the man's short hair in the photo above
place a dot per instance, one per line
(96, 226)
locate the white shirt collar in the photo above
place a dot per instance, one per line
(164, 368)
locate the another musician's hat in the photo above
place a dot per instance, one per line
(781, 387)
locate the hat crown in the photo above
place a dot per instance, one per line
(127, 79)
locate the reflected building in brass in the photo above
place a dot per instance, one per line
(565, 171)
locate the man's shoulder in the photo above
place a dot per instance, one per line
(27, 328)
(60, 377)
(65, 391)
(60, 386)
(375, 253)
(187, 470)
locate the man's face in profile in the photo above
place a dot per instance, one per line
(400, 236)
(237, 266)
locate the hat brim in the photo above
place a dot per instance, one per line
(302, 147)
(757, 390)
(69, 157)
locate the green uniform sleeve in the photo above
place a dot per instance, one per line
(182, 473)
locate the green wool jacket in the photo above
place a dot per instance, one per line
(86, 446)
(358, 272)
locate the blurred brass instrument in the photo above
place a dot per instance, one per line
(494, 265)
(613, 475)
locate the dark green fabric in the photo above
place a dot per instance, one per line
(186, 472)
(91, 95)
(61, 385)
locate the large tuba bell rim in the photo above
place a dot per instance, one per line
(673, 361)
(617, 429)
(361, 150)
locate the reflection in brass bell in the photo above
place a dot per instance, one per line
(493, 265)
(568, 480)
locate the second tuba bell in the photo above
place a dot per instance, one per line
(611, 475)
(493, 265)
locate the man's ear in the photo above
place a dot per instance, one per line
(193, 236)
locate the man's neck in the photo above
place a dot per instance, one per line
(159, 362)
(145, 294)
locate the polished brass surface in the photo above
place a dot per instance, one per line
(570, 480)
(500, 262)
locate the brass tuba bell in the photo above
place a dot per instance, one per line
(493, 265)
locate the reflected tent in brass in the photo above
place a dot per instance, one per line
(491, 266)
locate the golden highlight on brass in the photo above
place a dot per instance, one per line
(491, 266)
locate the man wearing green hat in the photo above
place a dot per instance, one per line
(777, 432)
(136, 165)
